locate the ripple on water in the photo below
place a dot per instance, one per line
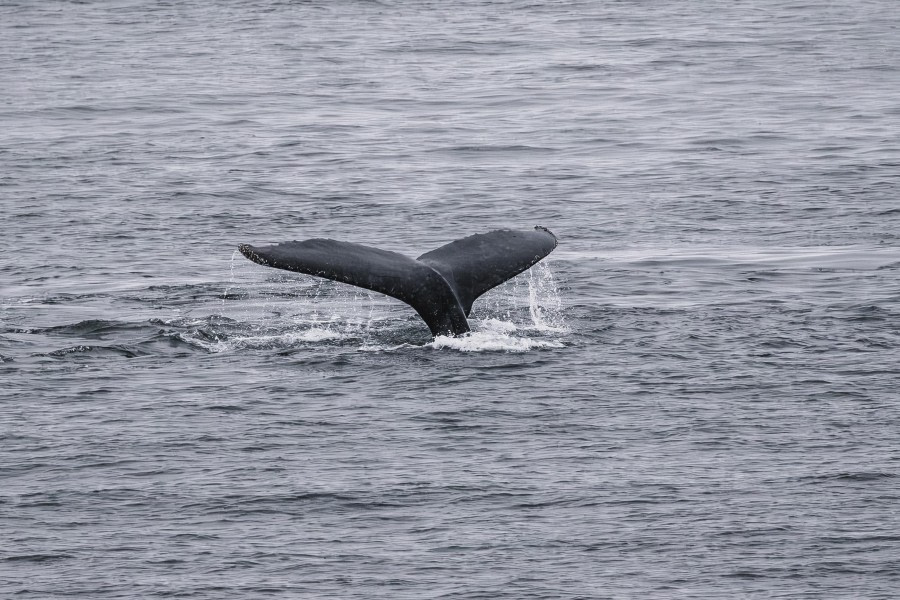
(696, 396)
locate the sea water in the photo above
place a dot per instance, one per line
(694, 396)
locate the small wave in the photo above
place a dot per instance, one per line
(855, 476)
(488, 148)
(88, 328)
(37, 558)
(95, 351)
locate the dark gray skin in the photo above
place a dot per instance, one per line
(440, 285)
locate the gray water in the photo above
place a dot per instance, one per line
(696, 395)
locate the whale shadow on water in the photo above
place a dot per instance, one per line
(441, 285)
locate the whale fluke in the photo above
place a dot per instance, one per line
(440, 285)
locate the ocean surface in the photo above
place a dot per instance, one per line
(697, 395)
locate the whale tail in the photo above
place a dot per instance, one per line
(440, 285)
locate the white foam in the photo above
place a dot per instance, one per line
(257, 342)
(314, 335)
(376, 348)
(496, 326)
(492, 335)
(490, 341)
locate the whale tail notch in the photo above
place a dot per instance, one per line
(440, 285)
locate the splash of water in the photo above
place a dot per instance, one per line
(544, 300)
(523, 314)
(215, 343)
(231, 280)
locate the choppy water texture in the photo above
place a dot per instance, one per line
(695, 397)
